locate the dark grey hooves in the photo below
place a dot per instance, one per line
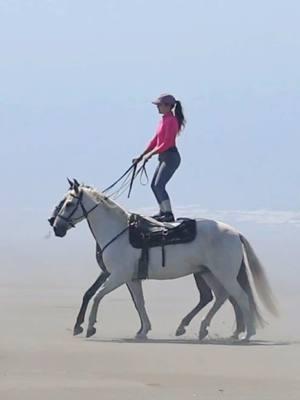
(90, 332)
(203, 333)
(77, 330)
(141, 336)
(245, 339)
(235, 336)
(180, 331)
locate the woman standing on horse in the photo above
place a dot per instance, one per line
(164, 144)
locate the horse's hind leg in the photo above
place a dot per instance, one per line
(220, 298)
(136, 290)
(85, 301)
(234, 290)
(240, 325)
(205, 298)
(243, 281)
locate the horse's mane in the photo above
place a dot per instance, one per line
(100, 197)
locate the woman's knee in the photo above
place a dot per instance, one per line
(153, 186)
(158, 187)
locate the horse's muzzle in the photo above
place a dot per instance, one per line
(59, 231)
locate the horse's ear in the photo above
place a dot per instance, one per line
(70, 183)
(76, 186)
(76, 182)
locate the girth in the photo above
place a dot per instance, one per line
(145, 233)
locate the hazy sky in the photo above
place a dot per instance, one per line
(76, 83)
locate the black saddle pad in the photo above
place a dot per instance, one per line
(145, 233)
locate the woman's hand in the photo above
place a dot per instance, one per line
(137, 159)
(147, 157)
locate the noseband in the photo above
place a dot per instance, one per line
(68, 219)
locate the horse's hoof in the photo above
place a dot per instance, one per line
(203, 333)
(77, 330)
(180, 331)
(141, 336)
(245, 339)
(235, 336)
(90, 332)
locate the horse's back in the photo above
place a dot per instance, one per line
(213, 229)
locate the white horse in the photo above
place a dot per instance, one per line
(136, 291)
(217, 253)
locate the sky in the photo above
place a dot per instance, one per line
(76, 84)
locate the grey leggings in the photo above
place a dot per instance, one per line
(168, 163)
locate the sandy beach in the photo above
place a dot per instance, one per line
(39, 357)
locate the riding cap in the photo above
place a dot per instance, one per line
(165, 99)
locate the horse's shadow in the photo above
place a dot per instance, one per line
(209, 341)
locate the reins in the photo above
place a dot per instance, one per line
(130, 174)
(86, 214)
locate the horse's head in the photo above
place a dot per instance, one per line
(69, 210)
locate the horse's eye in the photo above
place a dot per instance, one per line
(68, 205)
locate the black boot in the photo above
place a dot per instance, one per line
(157, 216)
(166, 217)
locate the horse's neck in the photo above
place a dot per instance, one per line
(106, 222)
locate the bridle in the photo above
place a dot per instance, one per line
(86, 213)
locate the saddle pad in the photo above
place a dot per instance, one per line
(145, 232)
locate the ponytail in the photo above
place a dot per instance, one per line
(179, 115)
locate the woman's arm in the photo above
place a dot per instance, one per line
(151, 145)
(149, 149)
(167, 135)
(164, 138)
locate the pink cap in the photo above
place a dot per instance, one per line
(165, 99)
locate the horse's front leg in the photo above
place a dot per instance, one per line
(85, 301)
(136, 290)
(112, 282)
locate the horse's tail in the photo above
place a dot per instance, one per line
(243, 280)
(262, 285)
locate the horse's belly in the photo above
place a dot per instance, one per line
(180, 260)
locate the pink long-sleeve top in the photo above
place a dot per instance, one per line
(165, 136)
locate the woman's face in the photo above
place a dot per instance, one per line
(163, 108)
